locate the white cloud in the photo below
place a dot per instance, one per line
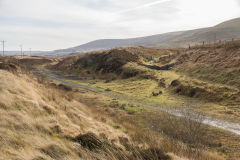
(54, 24)
(238, 2)
(143, 6)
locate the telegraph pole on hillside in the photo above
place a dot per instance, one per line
(21, 50)
(30, 51)
(215, 39)
(3, 43)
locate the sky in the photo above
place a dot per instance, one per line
(56, 24)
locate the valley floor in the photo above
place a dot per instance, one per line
(138, 92)
(135, 97)
(144, 113)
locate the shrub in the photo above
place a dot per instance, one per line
(188, 128)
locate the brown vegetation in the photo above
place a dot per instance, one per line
(39, 121)
(217, 63)
(9, 67)
(50, 120)
(181, 136)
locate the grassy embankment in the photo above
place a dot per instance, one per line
(40, 120)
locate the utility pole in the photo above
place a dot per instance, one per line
(3, 43)
(21, 50)
(215, 39)
(30, 51)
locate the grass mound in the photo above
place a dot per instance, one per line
(90, 141)
(105, 65)
(108, 62)
(9, 67)
(99, 144)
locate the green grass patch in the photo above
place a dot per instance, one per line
(133, 108)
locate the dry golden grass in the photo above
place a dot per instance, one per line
(42, 122)
(36, 119)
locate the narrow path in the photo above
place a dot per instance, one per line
(231, 127)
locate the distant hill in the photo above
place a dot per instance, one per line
(224, 31)
(27, 53)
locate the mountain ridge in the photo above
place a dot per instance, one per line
(179, 39)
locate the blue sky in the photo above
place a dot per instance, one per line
(55, 24)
